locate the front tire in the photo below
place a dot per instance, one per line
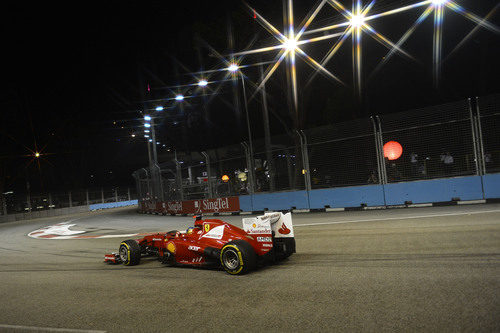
(130, 252)
(238, 257)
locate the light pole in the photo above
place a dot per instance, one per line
(235, 70)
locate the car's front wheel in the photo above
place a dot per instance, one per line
(130, 252)
(238, 257)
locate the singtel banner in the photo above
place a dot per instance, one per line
(217, 205)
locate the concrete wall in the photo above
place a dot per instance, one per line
(355, 196)
(492, 186)
(43, 213)
(112, 205)
(280, 201)
(422, 191)
(435, 190)
(63, 211)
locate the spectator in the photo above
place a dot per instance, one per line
(414, 164)
(373, 178)
(393, 173)
(487, 158)
(448, 163)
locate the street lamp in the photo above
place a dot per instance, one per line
(235, 70)
(159, 108)
(358, 20)
(147, 118)
(179, 97)
(202, 83)
(233, 67)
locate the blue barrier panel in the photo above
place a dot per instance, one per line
(112, 205)
(246, 203)
(280, 201)
(491, 186)
(355, 196)
(436, 190)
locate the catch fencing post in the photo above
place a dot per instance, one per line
(209, 174)
(102, 195)
(116, 194)
(474, 138)
(249, 158)
(383, 168)
(87, 197)
(50, 201)
(380, 160)
(70, 199)
(4, 205)
(305, 159)
(160, 182)
(178, 176)
(28, 196)
(128, 193)
(480, 143)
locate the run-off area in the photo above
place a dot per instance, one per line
(426, 269)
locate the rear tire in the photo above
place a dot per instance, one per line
(130, 252)
(238, 257)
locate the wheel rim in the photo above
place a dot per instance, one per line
(230, 259)
(123, 254)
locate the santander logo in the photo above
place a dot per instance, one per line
(284, 230)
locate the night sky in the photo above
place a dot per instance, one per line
(76, 76)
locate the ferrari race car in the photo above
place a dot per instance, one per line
(213, 242)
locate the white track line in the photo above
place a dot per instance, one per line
(46, 329)
(396, 218)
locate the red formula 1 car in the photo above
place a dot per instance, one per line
(213, 242)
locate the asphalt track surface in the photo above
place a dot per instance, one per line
(421, 269)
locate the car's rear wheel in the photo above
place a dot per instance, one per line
(238, 257)
(130, 252)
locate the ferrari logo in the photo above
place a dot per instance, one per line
(207, 227)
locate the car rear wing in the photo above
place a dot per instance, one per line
(270, 223)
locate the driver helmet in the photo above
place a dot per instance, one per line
(198, 222)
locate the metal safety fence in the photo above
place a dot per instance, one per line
(21, 202)
(448, 140)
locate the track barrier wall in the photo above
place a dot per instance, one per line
(113, 205)
(416, 192)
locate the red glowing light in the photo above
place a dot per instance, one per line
(393, 150)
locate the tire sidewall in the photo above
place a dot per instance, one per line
(246, 257)
(133, 252)
(241, 268)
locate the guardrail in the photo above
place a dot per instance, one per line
(64, 211)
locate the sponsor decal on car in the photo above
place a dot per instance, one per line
(215, 233)
(194, 248)
(254, 226)
(284, 230)
(171, 247)
(207, 227)
(265, 239)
